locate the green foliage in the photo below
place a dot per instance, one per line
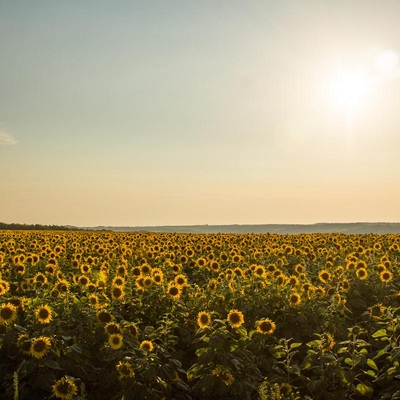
(330, 338)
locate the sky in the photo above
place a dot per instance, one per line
(134, 113)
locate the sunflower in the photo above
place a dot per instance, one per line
(361, 273)
(385, 276)
(39, 279)
(62, 285)
(319, 291)
(64, 388)
(43, 314)
(135, 271)
(174, 291)
(299, 268)
(117, 293)
(293, 280)
(147, 345)
(24, 344)
(93, 300)
(8, 313)
(147, 282)
(181, 280)
(280, 279)
(214, 265)
(83, 280)
(124, 370)
(176, 268)
(266, 326)
(212, 285)
(201, 262)
(351, 266)
(115, 341)
(376, 311)
(158, 279)
(294, 299)
(20, 269)
(118, 281)
(104, 317)
(235, 318)
(132, 329)
(121, 270)
(112, 328)
(326, 342)
(203, 319)
(285, 389)
(139, 283)
(324, 276)
(145, 269)
(86, 269)
(39, 346)
(345, 284)
(4, 287)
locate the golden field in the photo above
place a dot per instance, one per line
(188, 316)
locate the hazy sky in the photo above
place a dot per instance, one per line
(199, 112)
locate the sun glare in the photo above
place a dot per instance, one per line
(351, 88)
(387, 61)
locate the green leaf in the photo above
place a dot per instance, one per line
(348, 361)
(279, 354)
(295, 345)
(380, 333)
(295, 369)
(364, 389)
(370, 373)
(371, 364)
(391, 371)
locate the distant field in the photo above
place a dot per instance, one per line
(138, 315)
(351, 228)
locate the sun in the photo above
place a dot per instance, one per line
(351, 88)
(387, 61)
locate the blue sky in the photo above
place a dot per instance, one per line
(172, 112)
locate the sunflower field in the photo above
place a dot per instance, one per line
(95, 315)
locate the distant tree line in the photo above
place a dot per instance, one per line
(34, 227)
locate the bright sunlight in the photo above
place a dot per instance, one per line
(351, 88)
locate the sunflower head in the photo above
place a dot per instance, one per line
(117, 292)
(118, 281)
(24, 344)
(174, 291)
(39, 346)
(294, 299)
(43, 314)
(132, 329)
(147, 345)
(64, 388)
(8, 313)
(203, 319)
(93, 300)
(112, 328)
(181, 280)
(104, 317)
(386, 276)
(235, 318)
(266, 326)
(324, 276)
(115, 341)
(124, 370)
(326, 342)
(361, 273)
